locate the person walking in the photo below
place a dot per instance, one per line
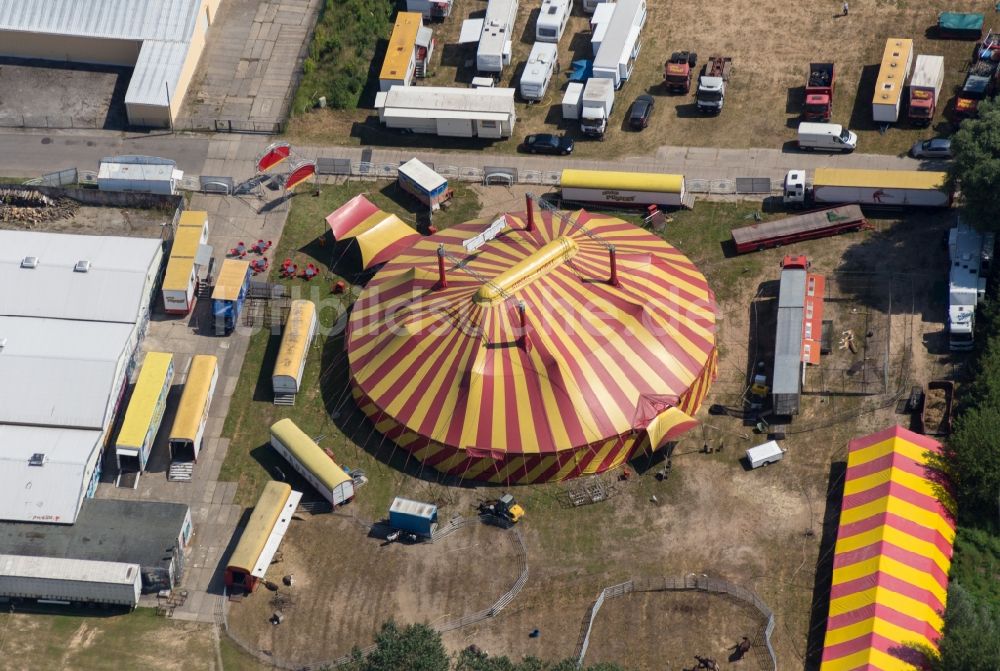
(846, 8)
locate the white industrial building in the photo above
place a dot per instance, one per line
(73, 311)
(162, 39)
(448, 111)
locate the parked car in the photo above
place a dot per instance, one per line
(546, 143)
(938, 147)
(639, 113)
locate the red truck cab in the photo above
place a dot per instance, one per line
(819, 92)
(677, 71)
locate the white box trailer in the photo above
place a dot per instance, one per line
(538, 70)
(572, 100)
(621, 44)
(449, 111)
(496, 40)
(552, 20)
(70, 581)
(762, 455)
(897, 58)
(599, 25)
(598, 100)
(145, 174)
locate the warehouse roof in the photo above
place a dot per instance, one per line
(54, 461)
(139, 532)
(110, 290)
(60, 568)
(165, 28)
(59, 373)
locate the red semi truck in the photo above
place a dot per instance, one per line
(819, 92)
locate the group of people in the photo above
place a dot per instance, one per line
(290, 269)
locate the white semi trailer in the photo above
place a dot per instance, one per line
(886, 188)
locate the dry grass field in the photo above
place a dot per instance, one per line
(771, 42)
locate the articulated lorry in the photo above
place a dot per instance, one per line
(711, 94)
(925, 89)
(970, 253)
(820, 85)
(877, 188)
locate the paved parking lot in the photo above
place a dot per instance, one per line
(247, 72)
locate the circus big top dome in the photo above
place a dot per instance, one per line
(534, 361)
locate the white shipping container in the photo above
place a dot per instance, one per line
(72, 580)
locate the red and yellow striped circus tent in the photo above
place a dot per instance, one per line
(529, 363)
(893, 552)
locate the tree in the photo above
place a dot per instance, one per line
(971, 640)
(415, 647)
(976, 168)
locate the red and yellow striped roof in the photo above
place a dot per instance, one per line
(451, 365)
(379, 235)
(893, 552)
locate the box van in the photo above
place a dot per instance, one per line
(826, 137)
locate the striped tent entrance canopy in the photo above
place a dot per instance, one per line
(520, 353)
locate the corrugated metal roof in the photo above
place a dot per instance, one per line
(164, 28)
(57, 486)
(158, 67)
(171, 20)
(110, 291)
(788, 352)
(58, 568)
(792, 290)
(56, 372)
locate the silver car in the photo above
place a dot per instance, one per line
(938, 147)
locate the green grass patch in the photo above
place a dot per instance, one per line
(976, 565)
(250, 461)
(342, 52)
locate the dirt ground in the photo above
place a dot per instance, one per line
(44, 94)
(770, 530)
(771, 42)
(332, 607)
(698, 622)
(87, 220)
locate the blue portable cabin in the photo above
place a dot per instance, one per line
(413, 516)
(229, 294)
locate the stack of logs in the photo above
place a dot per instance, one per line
(30, 207)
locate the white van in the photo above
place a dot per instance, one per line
(826, 137)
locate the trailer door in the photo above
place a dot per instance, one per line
(455, 127)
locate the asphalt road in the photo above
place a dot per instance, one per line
(31, 153)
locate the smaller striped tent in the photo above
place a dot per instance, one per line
(893, 552)
(379, 236)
